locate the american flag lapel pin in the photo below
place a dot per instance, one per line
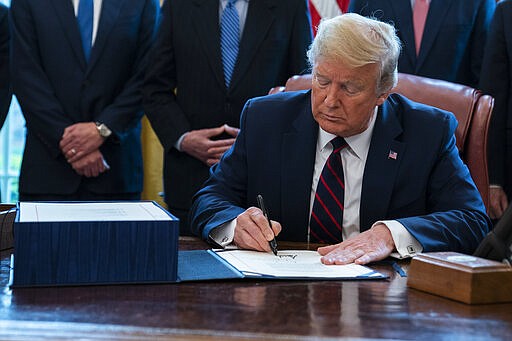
(392, 155)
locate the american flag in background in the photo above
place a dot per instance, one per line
(326, 9)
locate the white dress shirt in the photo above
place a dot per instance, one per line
(354, 161)
(96, 18)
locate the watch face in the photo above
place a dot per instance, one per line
(104, 131)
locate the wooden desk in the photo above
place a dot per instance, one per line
(245, 309)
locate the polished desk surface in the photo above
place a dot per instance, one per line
(245, 309)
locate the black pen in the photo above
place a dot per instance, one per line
(261, 204)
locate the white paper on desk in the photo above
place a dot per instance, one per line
(292, 263)
(91, 211)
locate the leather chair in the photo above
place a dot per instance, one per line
(7, 216)
(471, 108)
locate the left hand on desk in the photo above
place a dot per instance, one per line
(369, 246)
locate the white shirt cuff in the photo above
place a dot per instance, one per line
(177, 145)
(224, 234)
(406, 245)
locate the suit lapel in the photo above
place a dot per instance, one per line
(299, 146)
(260, 16)
(66, 14)
(109, 13)
(206, 23)
(435, 19)
(403, 14)
(381, 167)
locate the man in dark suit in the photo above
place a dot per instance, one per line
(496, 80)
(77, 71)
(192, 105)
(5, 87)
(396, 182)
(452, 44)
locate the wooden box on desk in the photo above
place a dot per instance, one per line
(88, 243)
(461, 277)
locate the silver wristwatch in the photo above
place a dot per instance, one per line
(103, 130)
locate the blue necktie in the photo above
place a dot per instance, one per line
(327, 214)
(229, 33)
(84, 17)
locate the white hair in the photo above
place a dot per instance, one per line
(356, 41)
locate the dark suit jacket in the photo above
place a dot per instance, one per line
(427, 187)
(187, 58)
(57, 88)
(453, 40)
(5, 88)
(496, 80)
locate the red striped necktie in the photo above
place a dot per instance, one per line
(327, 214)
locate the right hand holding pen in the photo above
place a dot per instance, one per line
(252, 231)
(199, 143)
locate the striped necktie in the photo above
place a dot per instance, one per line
(85, 22)
(327, 214)
(229, 39)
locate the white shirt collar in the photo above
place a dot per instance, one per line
(359, 143)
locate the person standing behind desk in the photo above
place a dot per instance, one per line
(77, 70)
(5, 84)
(496, 80)
(451, 44)
(210, 57)
(346, 164)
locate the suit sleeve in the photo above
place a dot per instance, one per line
(300, 40)
(125, 111)
(166, 116)
(5, 87)
(223, 196)
(43, 112)
(493, 81)
(456, 218)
